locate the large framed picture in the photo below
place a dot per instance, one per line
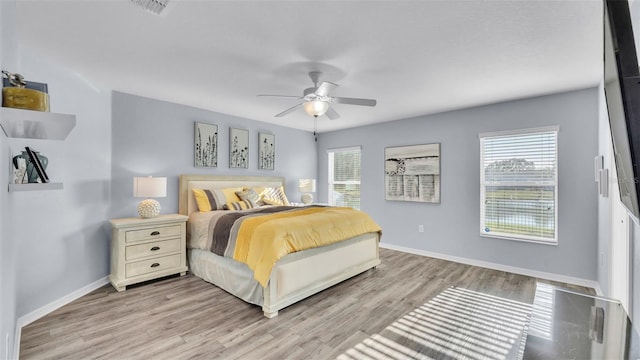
(412, 173)
(205, 145)
(267, 152)
(238, 148)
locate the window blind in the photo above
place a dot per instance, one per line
(519, 185)
(344, 177)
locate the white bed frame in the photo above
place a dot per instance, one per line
(299, 275)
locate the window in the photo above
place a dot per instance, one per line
(518, 185)
(344, 177)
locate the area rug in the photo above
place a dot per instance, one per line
(456, 324)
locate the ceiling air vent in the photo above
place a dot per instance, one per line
(154, 6)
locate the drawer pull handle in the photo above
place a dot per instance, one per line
(155, 233)
(155, 248)
(155, 265)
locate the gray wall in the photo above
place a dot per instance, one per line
(59, 238)
(7, 265)
(153, 137)
(66, 250)
(452, 227)
(53, 243)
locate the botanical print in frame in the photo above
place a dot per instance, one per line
(238, 148)
(412, 173)
(206, 145)
(267, 151)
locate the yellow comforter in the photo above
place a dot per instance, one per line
(263, 240)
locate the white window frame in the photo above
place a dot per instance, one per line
(484, 183)
(330, 177)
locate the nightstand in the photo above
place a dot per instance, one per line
(146, 249)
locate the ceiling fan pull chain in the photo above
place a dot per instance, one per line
(315, 128)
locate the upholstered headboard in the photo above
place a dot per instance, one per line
(187, 203)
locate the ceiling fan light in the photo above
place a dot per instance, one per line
(316, 108)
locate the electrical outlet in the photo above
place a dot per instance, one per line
(420, 228)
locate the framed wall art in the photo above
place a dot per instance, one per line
(267, 151)
(238, 148)
(412, 173)
(206, 145)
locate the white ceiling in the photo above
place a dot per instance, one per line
(414, 57)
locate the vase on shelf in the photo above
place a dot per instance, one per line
(32, 173)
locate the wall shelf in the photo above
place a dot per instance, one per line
(19, 123)
(34, 186)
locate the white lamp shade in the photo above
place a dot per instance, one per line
(316, 108)
(149, 187)
(307, 185)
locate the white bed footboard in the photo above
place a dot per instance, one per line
(299, 277)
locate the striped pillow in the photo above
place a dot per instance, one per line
(209, 200)
(268, 201)
(249, 195)
(275, 196)
(239, 205)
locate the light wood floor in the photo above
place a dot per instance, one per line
(185, 317)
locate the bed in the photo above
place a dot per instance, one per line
(294, 277)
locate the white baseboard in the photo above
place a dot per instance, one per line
(38, 313)
(489, 265)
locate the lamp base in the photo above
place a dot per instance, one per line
(306, 199)
(148, 208)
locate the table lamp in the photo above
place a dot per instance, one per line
(149, 187)
(306, 187)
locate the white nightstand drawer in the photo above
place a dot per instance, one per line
(149, 266)
(152, 233)
(133, 252)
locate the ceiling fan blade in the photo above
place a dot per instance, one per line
(332, 114)
(291, 109)
(281, 96)
(325, 87)
(354, 101)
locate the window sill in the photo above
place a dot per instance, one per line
(506, 237)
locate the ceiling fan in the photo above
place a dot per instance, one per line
(316, 99)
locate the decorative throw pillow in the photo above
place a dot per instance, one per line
(249, 195)
(283, 196)
(275, 196)
(239, 205)
(209, 200)
(205, 199)
(268, 201)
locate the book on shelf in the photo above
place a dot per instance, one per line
(37, 165)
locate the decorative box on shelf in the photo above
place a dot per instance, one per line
(21, 94)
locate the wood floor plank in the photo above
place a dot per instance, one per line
(188, 318)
